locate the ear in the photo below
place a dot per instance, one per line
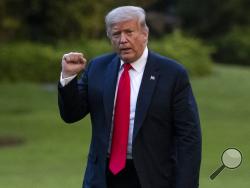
(145, 35)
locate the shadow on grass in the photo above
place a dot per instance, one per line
(11, 141)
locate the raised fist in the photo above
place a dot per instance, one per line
(72, 64)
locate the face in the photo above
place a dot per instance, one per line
(128, 39)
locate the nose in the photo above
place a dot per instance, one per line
(123, 38)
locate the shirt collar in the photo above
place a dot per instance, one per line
(140, 63)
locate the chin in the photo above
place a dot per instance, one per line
(127, 59)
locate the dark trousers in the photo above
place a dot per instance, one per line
(127, 178)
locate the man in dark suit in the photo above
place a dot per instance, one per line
(145, 124)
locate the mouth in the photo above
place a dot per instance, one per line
(125, 50)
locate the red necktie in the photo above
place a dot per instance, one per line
(121, 123)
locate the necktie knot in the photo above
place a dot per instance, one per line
(127, 66)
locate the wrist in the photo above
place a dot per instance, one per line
(67, 75)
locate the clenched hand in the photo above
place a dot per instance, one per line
(72, 64)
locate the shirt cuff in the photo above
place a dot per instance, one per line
(65, 81)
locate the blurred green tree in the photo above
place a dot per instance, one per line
(212, 18)
(50, 21)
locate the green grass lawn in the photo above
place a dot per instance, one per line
(53, 154)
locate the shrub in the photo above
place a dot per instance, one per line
(194, 55)
(25, 61)
(234, 47)
(90, 48)
(30, 62)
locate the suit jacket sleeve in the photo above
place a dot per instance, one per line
(188, 134)
(73, 99)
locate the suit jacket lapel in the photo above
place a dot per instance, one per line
(148, 83)
(109, 89)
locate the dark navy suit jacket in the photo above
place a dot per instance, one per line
(166, 139)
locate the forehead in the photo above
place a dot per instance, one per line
(128, 24)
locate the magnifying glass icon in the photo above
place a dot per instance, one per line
(231, 158)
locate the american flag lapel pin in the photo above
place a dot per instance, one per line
(152, 77)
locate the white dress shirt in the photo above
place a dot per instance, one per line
(65, 81)
(135, 73)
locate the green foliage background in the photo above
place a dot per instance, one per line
(50, 21)
(234, 46)
(189, 51)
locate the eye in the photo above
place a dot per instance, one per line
(116, 34)
(129, 32)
